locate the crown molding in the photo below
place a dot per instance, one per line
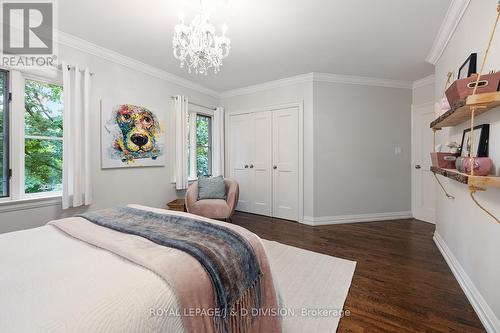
(317, 77)
(361, 80)
(453, 16)
(424, 82)
(268, 85)
(115, 57)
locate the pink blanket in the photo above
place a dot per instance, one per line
(188, 279)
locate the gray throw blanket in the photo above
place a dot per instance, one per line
(228, 258)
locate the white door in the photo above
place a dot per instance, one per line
(260, 164)
(285, 164)
(423, 182)
(241, 146)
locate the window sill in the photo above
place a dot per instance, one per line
(30, 202)
(190, 181)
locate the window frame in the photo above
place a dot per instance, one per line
(193, 111)
(17, 138)
(38, 137)
(210, 142)
(6, 135)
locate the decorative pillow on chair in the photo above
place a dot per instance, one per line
(211, 188)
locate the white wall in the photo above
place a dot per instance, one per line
(356, 131)
(149, 186)
(424, 93)
(299, 92)
(471, 237)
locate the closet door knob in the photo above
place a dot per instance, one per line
(246, 166)
(251, 166)
(275, 167)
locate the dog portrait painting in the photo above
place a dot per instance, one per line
(132, 136)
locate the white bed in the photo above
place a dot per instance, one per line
(51, 282)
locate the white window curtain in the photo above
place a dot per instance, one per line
(77, 184)
(181, 131)
(218, 142)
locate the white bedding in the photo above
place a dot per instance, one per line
(97, 291)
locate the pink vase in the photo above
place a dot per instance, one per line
(482, 166)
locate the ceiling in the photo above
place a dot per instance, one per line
(271, 39)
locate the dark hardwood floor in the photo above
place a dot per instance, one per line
(401, 282)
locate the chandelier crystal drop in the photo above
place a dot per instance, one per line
(198, 47)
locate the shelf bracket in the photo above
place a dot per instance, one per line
(472, 191)
(449, 196)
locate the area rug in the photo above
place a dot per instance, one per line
(313, 287)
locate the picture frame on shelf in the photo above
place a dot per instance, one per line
(481, 141)
(469, 67)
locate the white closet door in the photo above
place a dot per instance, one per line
(285, 164)
(241, 151)
(261, 164)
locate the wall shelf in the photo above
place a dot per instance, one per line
(476, 181)
(475, 105)
(453, 117)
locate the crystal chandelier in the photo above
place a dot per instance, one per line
(197, 46)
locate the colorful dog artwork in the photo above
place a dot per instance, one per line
(132, 136)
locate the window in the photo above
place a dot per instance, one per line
(4, 134)
(200, 145)
(31, 136)
(43, 134)
(203, 144)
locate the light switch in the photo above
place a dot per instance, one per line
(397, 151)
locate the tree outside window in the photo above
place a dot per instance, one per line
(43, 137)
(202, 147)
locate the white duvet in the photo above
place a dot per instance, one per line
(53, 283)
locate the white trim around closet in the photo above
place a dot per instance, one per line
(300, 108)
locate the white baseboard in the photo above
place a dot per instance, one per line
(484, 312)
(325, 220)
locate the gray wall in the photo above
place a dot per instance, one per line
(356, 131)
(149, 186)
(350, 134)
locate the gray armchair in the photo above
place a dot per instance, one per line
(213, 208)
